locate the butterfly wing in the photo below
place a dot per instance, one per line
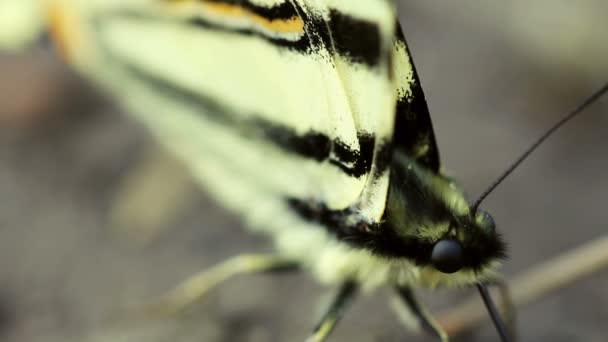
(413, 128)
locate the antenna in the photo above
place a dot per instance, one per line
(589, 101)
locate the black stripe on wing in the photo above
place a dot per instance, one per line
(413, 132)
(355, 162)
(356, 39)
(280, 11)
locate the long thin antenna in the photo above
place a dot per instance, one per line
(498, 322)
(593, 98)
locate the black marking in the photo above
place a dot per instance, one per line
(355, 162)
(282, 11)
(318, 146)
(357, 39)
(302, 44)
(312, 145)
(413, 132)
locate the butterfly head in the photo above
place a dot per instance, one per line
(467, 244)
(436, 228)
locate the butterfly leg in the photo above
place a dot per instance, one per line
(195, 287)
(332, 315)
(422, 316)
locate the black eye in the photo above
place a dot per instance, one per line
(447, 256)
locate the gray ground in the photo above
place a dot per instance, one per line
(495, 77)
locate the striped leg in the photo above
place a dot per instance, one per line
(423, 318)
(195, 287)
(333, 314)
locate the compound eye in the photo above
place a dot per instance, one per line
(447, 256)
(485, 221)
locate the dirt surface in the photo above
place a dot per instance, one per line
(69, 266)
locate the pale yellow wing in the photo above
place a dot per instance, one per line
(274, 94)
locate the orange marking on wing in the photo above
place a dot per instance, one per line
(64, 29)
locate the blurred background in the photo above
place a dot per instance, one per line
(95, 217)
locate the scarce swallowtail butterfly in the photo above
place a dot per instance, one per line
(305, 117)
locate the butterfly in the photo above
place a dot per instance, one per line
(307, 118)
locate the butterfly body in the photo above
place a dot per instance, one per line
(304, 117)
